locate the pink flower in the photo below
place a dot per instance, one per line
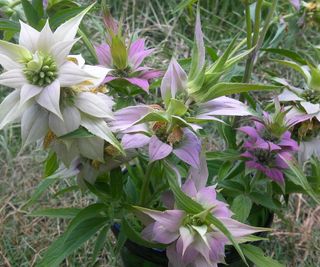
(192, 241)
(269, 142)
(133, 73)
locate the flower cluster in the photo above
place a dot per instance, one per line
(143, 153)
(193, 241)
(268, 147)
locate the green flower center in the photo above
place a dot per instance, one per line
(311, 96)
(41, 70)
(121, 73)
(267, 135)
(190, 220)
(265, 156)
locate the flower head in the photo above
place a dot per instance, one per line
(55, 92)
(269, 141)
(125, 59)
(192, 241)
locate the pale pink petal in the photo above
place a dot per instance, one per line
(188, 150)
(189, 188)
(174, 80)
(104, 55)
(238, 229)
(137, 140)
(287, 95)
(157, 149)
(310, 108)
(199, 175)
(142, 83)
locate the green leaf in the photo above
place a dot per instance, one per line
(116, 183)
(222, 89)
(93, 211)
(241, 207)
(63, 15)
(101, 239)
(47, 182)
(287, 53)
(264, 199)
(183, 4)
(176, 107)
(227, 155)
(8, 25)
(295, 67)
(218, 65)
(153, 116)
(38, 6)
(212, 53)
(31, 14)
(51, 164)
(66, 190)
(79, 133)
(71, 240)
(256, 255)
(297, 176)
(56, 213)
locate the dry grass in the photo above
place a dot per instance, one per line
(295, 241)
(296, 238)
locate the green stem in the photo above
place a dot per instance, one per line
(14, 3)
(145, 185)
(256, 30)
(89, 45)
(249, 27)
(267, 23)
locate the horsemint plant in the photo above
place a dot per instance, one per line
(146, 163)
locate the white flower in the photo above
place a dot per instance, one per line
(54, 91)
(308, 99)
(308, 149)
(38, 67)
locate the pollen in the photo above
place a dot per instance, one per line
(111, 150)
(175, 136)
(50, 136)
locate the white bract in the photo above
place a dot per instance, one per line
(54, 91)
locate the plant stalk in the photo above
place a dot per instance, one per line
(145, 184)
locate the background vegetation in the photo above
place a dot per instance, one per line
(296, 238)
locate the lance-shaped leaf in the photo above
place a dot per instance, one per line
(198, 51)
(222, 89)
(303, 70)
(257, 256)
(299, 178)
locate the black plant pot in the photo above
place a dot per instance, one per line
(134, 255)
